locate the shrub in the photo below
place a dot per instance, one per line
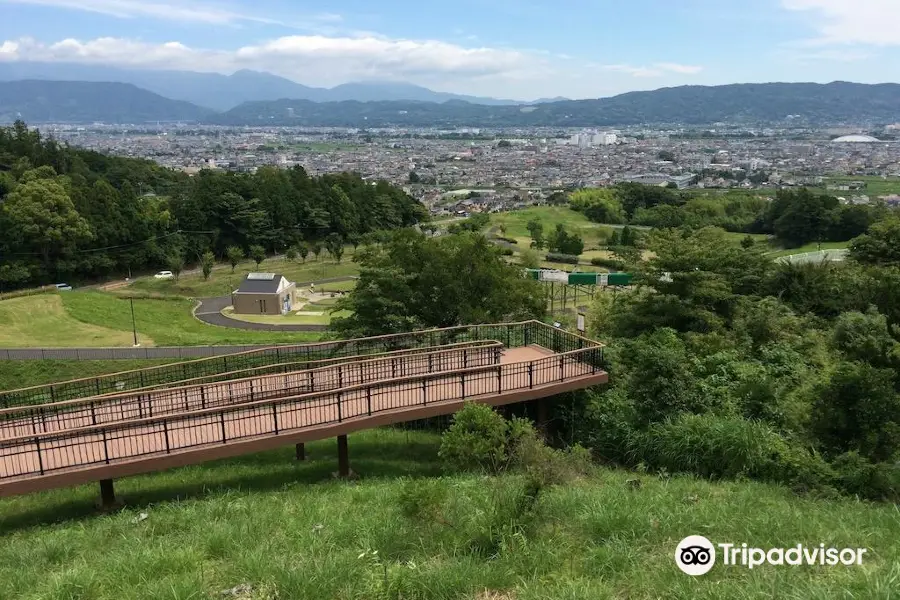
(476, 440)
(562, 258)
(507, 251)
(609, 263)
(873, 481)
(508, 240)
(422, 500)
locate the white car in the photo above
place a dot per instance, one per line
(164, 275)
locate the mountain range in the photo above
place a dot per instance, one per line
(37, 101)
(223, 92)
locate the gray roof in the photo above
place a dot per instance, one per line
(260, 283)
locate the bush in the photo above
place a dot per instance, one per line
(562, 258)
(422, 500)
(609, 263)
(507, 251)
(729, 447)
(873, 481)
(508, 240)
(476, 440)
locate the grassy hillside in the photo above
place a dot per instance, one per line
(283, 529)
(43, 321)
(24, 373)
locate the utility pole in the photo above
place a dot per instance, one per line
(133, 323)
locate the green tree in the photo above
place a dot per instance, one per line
(303, 250)
(414, 177)
(747, 242)
(258, 254)
(413, 281)
(880, 246)
(316, 248)
(291, 253)
(235, 255)
(536, 230)
(530, 259)
(175, 262)
(39, 217)
(207, 261)
(335, 245)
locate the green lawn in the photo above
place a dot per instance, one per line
(16, 374)
(288, 530)
(42, 321)
(168, 322)
(222, 281)
(876, 186)
(811, 247)
(575, 222)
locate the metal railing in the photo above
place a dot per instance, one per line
(511, 334)
(106, 444)
(46, 418)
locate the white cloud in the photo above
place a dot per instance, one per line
(213, 14)
(311, 59)
(656, 70)
(873, 22)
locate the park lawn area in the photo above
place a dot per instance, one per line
(287, 529)
(737, 237)
(291, 318)
(336, 286)
(875, 185)
(811, 247)
(42, 321)
(575, 222)
(16, 374)
(169, 322)
(222, 281)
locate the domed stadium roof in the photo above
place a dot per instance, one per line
(864, 139)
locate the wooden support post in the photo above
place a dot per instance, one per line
(107, 494)
(301, 451)
(343, 457)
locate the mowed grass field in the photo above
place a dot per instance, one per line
(169, 322)
(42, 320)
(268, 527)
(550, 216)
(222, 281)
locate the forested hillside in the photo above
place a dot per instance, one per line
(70, 214)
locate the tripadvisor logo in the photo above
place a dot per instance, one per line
(696, 555)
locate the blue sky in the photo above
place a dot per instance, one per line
(520, 49)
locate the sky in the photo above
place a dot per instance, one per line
(517, 49)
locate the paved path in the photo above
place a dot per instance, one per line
(210, 311)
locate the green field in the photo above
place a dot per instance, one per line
(43, 321)
(550, 216)
(25, 373)
(287, 530)
(875, 186)
(167, 322)
(222, 281)
(811, 247)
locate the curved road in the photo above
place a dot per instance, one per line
(210, 311)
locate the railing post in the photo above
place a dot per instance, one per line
(465, 358)
(340, 376)
(222, 417)
(561, 367)
(531, 374)
(312, 380)
(424, 392)
(393, 368)
(93, 415)
(166, 434)
(275, 416)
(462, 381)
(430, 363)
(203, 396)
(251, 390)
(186, 403)
(526, 332)
(44, 419)
(499, 380)
(37, 445)
(369, 400)
(339, 398)
(105, 447)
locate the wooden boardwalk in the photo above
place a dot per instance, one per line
(117, 435)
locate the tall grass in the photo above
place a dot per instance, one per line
(285, 529)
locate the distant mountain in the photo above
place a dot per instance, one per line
(223, 92)
(812, 103)
(86, 102)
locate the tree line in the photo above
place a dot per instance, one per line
(68, 213)
(794, 216)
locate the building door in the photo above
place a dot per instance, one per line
(262, 307)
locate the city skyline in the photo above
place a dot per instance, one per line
(505, 49)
